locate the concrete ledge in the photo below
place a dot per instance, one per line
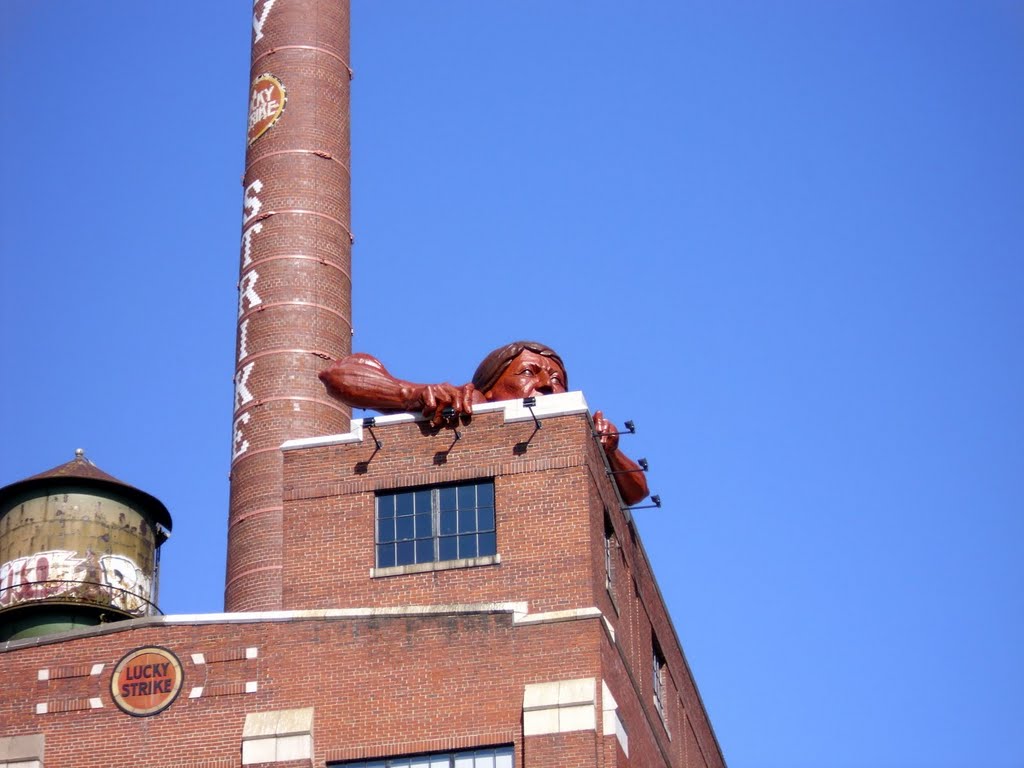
(519, 610)
(552, 616)
(548, 406)
(443, 565)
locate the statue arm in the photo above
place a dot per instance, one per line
(630, 478)
(362, 381)
(632, 482)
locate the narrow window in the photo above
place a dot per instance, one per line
(610, 554)
(658, 680)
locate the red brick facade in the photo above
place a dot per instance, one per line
(529, 650)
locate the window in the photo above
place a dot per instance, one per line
(500, 757)
(429, 525)
(658, 680)
(610, 547)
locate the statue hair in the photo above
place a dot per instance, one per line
(490, 370)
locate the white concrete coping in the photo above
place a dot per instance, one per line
(548, 406)
(519, 610)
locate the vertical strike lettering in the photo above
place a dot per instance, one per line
(259, 20)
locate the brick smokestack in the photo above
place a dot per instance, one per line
(294, 308)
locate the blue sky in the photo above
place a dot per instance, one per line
(784, 238)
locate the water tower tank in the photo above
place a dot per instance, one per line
(77, 548)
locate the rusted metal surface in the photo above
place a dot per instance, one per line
(77, 546)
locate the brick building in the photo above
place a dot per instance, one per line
(397, 595)
(521, 625)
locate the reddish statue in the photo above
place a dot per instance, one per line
(517, 370)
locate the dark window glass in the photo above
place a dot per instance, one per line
(449, 522)
(467, 497)
(425, 551)
(488, 544)
(423, 501)
(404, 503)
(447, 500)
(448, 548)
(406, 552)
(485, 495)
(467, 546)
(385, 555)
(485, 519)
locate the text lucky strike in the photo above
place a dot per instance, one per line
(147, 679)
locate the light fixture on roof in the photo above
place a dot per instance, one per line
(656, 499)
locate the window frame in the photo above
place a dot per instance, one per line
(659, 681)
(611, 547)
(434, 759)
(406, 547)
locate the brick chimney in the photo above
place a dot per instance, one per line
(294, 290)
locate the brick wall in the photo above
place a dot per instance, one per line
(404, 664)
(378, 686)
(542, 515)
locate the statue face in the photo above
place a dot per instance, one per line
(528, 374)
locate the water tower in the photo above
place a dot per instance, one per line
(77, 548)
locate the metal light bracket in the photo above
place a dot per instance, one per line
(641, 462)
(657, 503)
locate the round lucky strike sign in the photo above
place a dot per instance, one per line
(266, 103)
(146, 681)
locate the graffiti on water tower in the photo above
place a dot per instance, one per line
(63, 574)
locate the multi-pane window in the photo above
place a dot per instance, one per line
(429, 525)
(500, 757)
(658, 680)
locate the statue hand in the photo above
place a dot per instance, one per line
(608, 433)
(436, 397)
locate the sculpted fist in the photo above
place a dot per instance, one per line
(434, 398)
(607, 431)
